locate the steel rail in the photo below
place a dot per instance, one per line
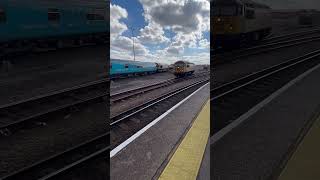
(66, 161)
(236, 55)
(42, 106)
(134, 110)
(140, 90)
(229, 87)
(278, 74)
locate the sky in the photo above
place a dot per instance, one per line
(163, 31)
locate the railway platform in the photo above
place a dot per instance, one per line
(176, 146)
(273, 140)
(305, 160)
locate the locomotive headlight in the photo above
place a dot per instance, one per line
(219, 19)
(230, 27)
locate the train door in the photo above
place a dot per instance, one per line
(126, 68)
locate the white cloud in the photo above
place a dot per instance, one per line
(152, 34)
(125, 44)
(186, 19)
(181, 15)
(204, 44)
(116, 14)
(122, 46)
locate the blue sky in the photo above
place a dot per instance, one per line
(164, 30)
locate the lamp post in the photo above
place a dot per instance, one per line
(132, 36)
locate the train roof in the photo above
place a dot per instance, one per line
(103, 4)
(248, 3)
(186, 62)
(121, 61)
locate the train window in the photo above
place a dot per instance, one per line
(216, 11)
(3, 17)
(53, 15)
(96, 15)
(250, 14)
(228, 11)
(225, 11)
(126, 66)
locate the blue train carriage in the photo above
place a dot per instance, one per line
(25, 22)
(125, 68)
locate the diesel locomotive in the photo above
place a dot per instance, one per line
(43, 23)
(235, 22)
(183, 68)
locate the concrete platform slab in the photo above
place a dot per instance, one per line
(204, 172)
(187, 159)
(305, 162)
(257, 148)
(146, 156)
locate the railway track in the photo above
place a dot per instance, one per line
(37, 110)
(13, 52)
(254, 88)
(272, 40)
(238, 54)
(291, 35)
(131, 121)
(65, 162)
(120, 96)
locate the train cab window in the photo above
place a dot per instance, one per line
(3, 17)
(250, 14)
(188, 65)
(216, 11)
(53, 15)
(225, 11)
(126, 66)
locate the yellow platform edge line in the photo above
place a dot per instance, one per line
(305, 161)
(186, 160)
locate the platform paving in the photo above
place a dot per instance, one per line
(147, 156)
(258, 148)
(305, 161)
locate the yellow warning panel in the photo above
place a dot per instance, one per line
(186, 160)
(305, 162)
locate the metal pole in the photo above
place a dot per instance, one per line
(134, 54)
